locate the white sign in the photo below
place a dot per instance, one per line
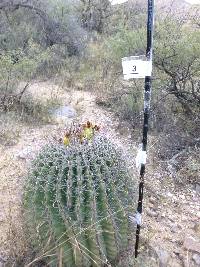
(115, 2)
(135, 67)
(193, 2)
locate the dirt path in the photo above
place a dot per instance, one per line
(171, 230)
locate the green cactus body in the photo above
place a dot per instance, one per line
(77, 200)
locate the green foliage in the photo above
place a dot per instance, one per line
(125, 43)
(77, 201)
(106, 54)
(94, 14)
(177, 44)
(19, 65)
(40, 36)
(177, 59)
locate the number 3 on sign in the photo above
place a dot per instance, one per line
(134, 68)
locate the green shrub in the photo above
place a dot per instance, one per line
(77, 202)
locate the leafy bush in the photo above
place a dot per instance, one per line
(177, 50)
(77, 202)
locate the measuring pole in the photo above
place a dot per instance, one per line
(147, 99)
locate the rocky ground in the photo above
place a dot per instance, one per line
(170, 234)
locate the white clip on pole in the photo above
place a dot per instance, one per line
(141, 158)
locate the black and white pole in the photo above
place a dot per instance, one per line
(147, 99)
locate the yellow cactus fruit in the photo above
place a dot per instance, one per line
(88, 133)
(66, 139)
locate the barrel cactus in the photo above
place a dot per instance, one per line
(77, 201)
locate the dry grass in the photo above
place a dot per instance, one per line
(10, 129)
(10, 202)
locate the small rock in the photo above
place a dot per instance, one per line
(191, 244)
(174, 228)
(174, 263)
(152, 200)
(25, 153)
(169, 195)
(197, 188)
(2, 262)
(196, 259)
(192, 225)
(163, 257)
(197, 229)
(152, 213)
(182, 197)
(177, 251)
(2, 218)
(64, 112)
(163, 215)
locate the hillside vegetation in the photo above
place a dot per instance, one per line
(78, 45)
